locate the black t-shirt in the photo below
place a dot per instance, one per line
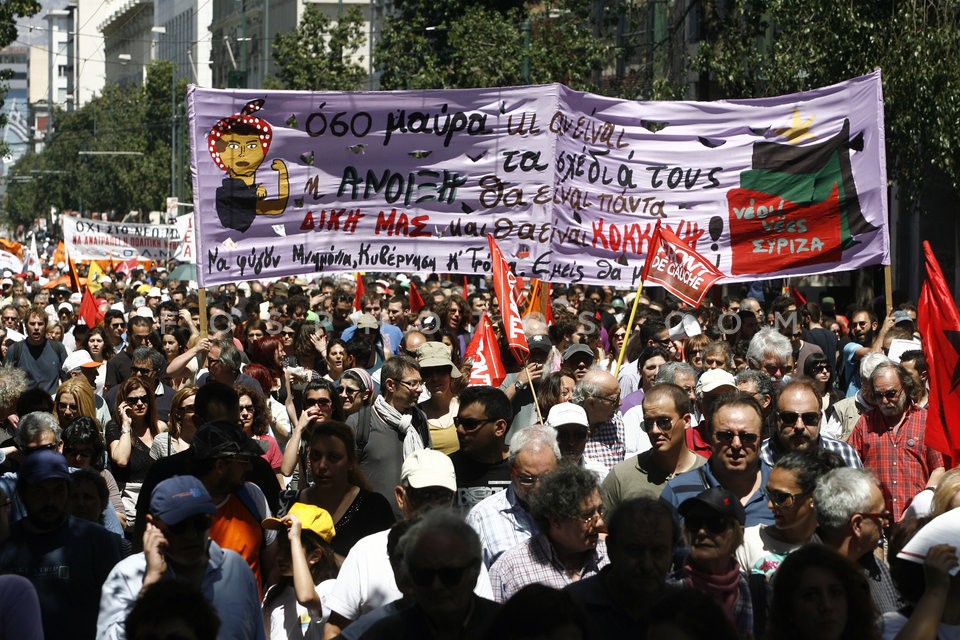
(369, 513)
(478, 480)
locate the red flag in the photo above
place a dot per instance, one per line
(682, 271)
(466, 288)
(356, 299)
(88, 309)
(939, 323)
(504, 285)
(485, 353)
(416, 302)
(539, 301)
(127, 266)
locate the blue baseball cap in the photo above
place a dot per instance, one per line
(180, 497)
(42, 465)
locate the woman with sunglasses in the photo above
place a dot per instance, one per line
(75, 398)
(339, 487)
(254, 422)
(789, 493)
(83, 447)
(713, 528)
(356, 390)
(129, 441)
(180, 426)
(818, 370)
(321, 402)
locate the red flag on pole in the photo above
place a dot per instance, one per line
(88, 309)
(671, 262)
(939, 323)
(356, 299)
(504, 284)
(74, 276)
(466, 288)
(485, 353)
(416, 302)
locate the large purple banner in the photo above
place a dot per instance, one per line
(571, 184)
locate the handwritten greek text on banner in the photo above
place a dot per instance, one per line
(570, 184)
(101, 240)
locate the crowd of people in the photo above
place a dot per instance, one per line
(304, 461)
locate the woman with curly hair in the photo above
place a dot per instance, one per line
(129, 442)
(820, 595)
(180, 425)
(455, 317)
(255, 424)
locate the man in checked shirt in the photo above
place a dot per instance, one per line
(599, 395)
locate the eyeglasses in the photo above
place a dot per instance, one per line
(413, 385)
(525, 479)
(614, 400)
(143, 371)
(860, 323)
(713, 524)
(317, 402)
(574, 435)
(469, 424)
(66, 406)
(245, 408)
(117, 325)
(664, 423)
(288, 334)
(783, 498)
(79, 453)
(449, 576)
(589, 519)
(810, 418)
(620, 334)
(196, 524)
(773, 369)
(347, 391)
(821, 368)
(881, 517)
(889, 394)
(137, 399)
(746, 439)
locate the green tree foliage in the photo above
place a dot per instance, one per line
(321, 55)
(128, 118)
(756, 48)
(446, 44)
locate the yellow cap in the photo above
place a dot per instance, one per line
(312, 517)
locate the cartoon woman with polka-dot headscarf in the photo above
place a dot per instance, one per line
(238, 145)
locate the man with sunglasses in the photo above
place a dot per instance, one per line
(442, 561)
(890, 439)
(734, 464)
(66, 559)
(120, 366)
(503, 520)
(772, 352)
(851, 520)
(176, 545)
(481, 462)
(666, 419)
(863, 341)
(798, 418)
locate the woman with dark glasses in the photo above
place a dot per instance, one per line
(129, 441)
(713, 528)
(789, 493)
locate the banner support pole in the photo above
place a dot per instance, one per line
(888, 288)
(202, 298)
(626, 338)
